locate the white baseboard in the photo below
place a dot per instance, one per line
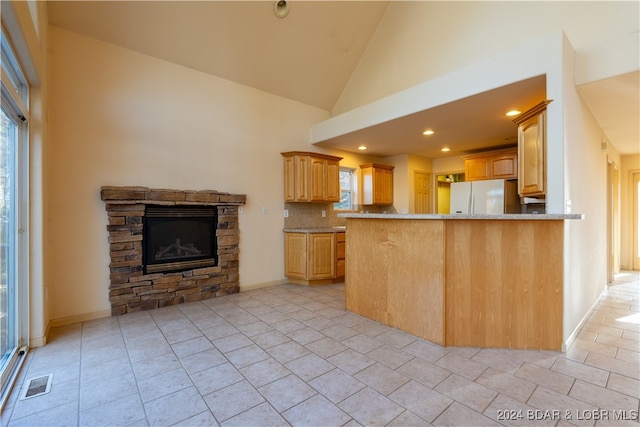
(245, 288)
(39, 342)
(571, 338)
(79, 318)
(70, 320)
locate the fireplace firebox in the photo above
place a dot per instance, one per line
(179, 238)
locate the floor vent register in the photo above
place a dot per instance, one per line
(37, 387)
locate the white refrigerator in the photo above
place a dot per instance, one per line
(491, 197)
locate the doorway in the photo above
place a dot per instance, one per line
(443, 190)
(613, 221)
(636, 226)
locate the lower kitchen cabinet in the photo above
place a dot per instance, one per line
(341, 251)
(314, 257)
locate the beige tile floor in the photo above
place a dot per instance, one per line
(291, 355)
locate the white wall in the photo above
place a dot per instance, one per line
(418, 41)
(585, 177)
(122, 118)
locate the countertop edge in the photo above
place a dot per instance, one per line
(511, 217)
(315, 230)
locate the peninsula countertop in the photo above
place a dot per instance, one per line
(523, 217)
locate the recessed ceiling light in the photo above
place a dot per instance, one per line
(513, 113)
(445, 149)
(428, 132)
(362, 147)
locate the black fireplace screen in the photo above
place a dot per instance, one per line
(179, 238)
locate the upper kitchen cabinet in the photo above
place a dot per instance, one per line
(311, 177)
(502, 164)
(532, 135)
(376, 184)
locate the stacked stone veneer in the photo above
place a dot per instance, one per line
(132, 290)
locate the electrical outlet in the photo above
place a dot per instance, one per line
(286, 213)
(324, 213)
(264, 210)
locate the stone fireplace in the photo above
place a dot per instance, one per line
(192, 256)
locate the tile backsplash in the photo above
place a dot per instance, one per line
(309, 215)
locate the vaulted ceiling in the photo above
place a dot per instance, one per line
(309, 56)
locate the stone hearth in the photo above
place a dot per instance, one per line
(130, 289)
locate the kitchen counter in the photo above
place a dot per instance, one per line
(536, 217)
(460, 280)
(336, 229)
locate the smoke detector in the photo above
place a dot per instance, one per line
(281, 8)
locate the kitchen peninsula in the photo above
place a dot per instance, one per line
(460, 280)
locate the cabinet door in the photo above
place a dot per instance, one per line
(295, 255)
(318, 168)
(289, 179)
(340, 254)
(388, 187)
(322, 255)
(379, 181)
(332, 181)
(477, 168)
(531, 143)
(302, 179)
(382, 186)
(504, 166)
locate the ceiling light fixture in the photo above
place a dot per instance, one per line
(513, 113)
(362, 147)
(281, 8)
(428, 132)
(445, 149)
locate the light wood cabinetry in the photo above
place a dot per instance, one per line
(295, 255)
(503, 284)
(532, 149)
(322, 255)
(395, 274)
(502, 164)
(314, 258)
(471, 283)
(476, 168)
(341, 251)
(376, 184)
(311, 177)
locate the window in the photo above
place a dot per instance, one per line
(346, 190)
(13, 215)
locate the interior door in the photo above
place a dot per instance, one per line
(421, 198)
